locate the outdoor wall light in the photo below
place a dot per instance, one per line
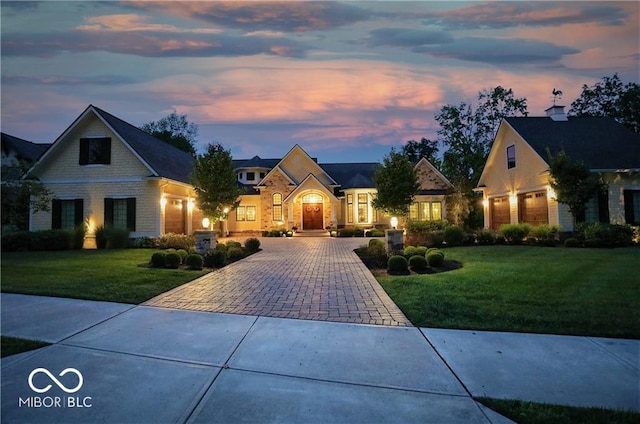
(163, 202)
(394, 222)
(485, 203)
(205, 222)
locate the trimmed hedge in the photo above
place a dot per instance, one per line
(172, 260)
(435, 258)
(515, 233)
(194, 261)
(453, 235)
(398, 263)
(252, 245)
(418, 263)
(157, 259)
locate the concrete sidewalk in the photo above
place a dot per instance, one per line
(147, 364)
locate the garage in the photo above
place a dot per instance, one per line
(533, 208)
(175, 214)
(500, 212)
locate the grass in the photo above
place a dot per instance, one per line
(13, 345)
(591, 292)
(108, 275)
(541, 413)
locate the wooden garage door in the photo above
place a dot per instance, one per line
(532, 208)
(500, 213)
(175, 214)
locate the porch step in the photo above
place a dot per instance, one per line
(312, 233)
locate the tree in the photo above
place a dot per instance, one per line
(467, 134)
(610, 97)
(573, 182)
(425, 148)
(176, 130)
(215, 182)
(397, 184)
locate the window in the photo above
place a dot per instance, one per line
(95, 151)
(363, 207)
(511, 156)
(632, 207)
(120, 213)
(349, 208)
(436, 211)
(276, 203)
(251, 176)
(425, 211)
(413, 212)
(239, 176)
(262, 174)
(246, 213)
(66, 214)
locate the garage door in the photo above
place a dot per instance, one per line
(500, 213)
(533, 208)
(175, 213)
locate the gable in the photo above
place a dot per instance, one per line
(297, 164)
(430, 179)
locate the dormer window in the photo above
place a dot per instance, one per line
(511, 156)
(95, 151)
(251, 176)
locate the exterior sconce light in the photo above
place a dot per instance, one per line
(394, 222)
(163, 202)
(485, 203)
(205, 222)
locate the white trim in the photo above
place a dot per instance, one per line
(96, 180)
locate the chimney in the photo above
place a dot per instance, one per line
(556, 113)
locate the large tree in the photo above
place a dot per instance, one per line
(573, 182)
(176, 130)
(425, 148)
(467, 132)
(397, 184)
(215, 182)
(610, 97)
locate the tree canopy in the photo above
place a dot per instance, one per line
(610, 97)
(425, 148)
(215, 182)
(397, 184)
(176, 130)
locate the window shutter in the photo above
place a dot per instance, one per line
(108, 212)
(84, 151)
(603, 207)
(628, 207)
(131, 213)
(79, 212)
(56, 214)
(107, 151)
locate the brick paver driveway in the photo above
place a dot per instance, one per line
(301, 277)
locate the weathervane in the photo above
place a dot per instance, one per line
(557, 95)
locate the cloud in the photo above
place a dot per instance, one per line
(514, 14)
(136, 23)
(405, 37)
(285, 16)
(68, 80)
(148, 44)
(499, 50)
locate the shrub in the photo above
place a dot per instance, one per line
(425, 233)
(410, 251)
(232, 243)
(194, 261)
(118, 238)
(77, 237)
(421, 250)
(157, 259)
(275, 233)
(18, 241)
(252, 245)
(221, 247)
(50, 240)
(374, 232)
(515, 233)
(214, 258)
(101, 237)
(435, 258)
(571, 242)
(486, 236)
(398, 263)
(358, 232)
(373, 255)
(172, 260)
(418, 263)
(376, 242)
(175, 241)
(610, 235)
(234, 253)
(145, 242)
(453, 235)
(346, 232)
(593, 242)
(183, 254)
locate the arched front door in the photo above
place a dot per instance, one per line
(312, 212)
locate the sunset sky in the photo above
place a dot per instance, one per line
(345, 80)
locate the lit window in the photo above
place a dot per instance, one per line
(425, 211)
(511, 156)
(436, 211)
(251, 213)
(349, 208)
(277, 206)
(413, 211)
(363, 207)
(240, 213)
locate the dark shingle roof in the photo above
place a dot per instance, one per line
(166, 160)
(25, 150)
(599, 142)
(351, 175)
(255, 162)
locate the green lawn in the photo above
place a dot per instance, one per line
(593, 292)
(109, 275)
(13, 345)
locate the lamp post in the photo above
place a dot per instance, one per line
(394, 222)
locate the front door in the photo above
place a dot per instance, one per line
(312, 216)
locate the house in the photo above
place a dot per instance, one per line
(18, 153)
(104, 171)
(515, 180)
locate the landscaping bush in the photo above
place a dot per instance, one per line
(146, 243)
(410, 251)
(157, 259)
(214, 258)
(421, 250)
(425, 233)
(172, 260)
(418, 263)
(373, 255)
(175, 241)
(183, 254)
(470, 239)
(435, 258)
(77, 237)
(275, 233)
(398, 264)
(101, 237)
(572, 242)
(234, 254)
(610, 235)
(358, 232)
(515, 233)
(51, 240)
(374, 232)
(18, 241)
(232, 243)
(453, 235)
(221, 247)
(346, 232)
(252, 245)
(593, 242)
(376, 242)
(545, 232)
(118, 238)
(194, 261)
